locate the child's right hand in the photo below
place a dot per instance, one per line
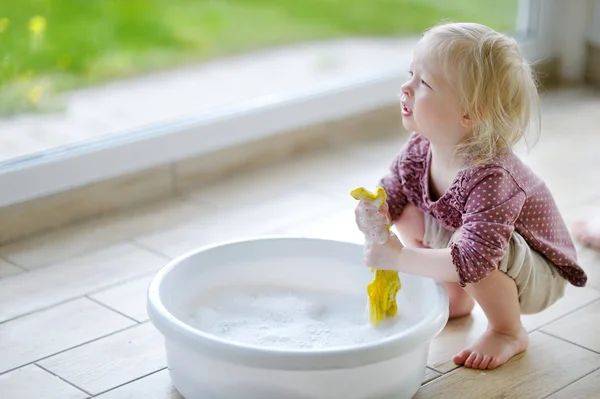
(372, 221)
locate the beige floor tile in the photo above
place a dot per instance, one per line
(458, 334)
(430, 375)
(585, 388)
(155, 386)
(574, 298)
(111, 361)
(238, 223)
(580, 327)
(128, 298)
(541, 370)
(62, 244)
(8, 269)
(33, 382)
(41, 334)
(46, 286)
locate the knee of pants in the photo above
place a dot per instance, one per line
(538, 283)
(542, 295)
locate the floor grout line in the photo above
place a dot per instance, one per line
(62, 379)
(130, 382)
(74, 347)
(574, 310)
(29, 313)
(4, 259)
(81, 296)
(443, 376)
(120, 283)
(437, 375)
(112, 309)
(78, 255)
(569, 342)
(146, 248)
(571, 383)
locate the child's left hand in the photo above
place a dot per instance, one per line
(384, 256)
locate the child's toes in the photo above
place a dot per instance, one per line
(470, 360)
(485, 362)
(494, 362)
(460, 358)
(477, 362)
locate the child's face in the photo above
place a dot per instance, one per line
(430, 105)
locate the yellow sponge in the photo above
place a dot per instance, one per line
(386, 284)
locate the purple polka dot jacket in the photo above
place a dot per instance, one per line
(488, 202)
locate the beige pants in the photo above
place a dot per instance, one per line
(538, 283)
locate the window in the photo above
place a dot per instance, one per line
(92, 83)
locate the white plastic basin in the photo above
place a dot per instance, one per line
(205, 365)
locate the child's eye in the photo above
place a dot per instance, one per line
(410, 73)
(425, 83)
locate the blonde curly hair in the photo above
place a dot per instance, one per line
(497, 87)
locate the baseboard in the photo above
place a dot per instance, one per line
(592, 74)
(546, 72)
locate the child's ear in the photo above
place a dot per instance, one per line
(466, 121)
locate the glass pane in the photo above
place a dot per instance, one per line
(73, 71)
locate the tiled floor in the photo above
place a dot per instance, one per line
(73, 322)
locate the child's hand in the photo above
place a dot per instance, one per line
(372, 222)
(384, 256)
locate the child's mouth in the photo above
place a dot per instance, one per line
(405, 111)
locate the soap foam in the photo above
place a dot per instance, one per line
(291, 319)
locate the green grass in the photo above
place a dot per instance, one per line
(91, 41)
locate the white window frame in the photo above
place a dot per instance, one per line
(69, 167)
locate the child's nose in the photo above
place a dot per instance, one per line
(407, 90)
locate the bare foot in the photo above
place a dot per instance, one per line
(492, 350)
(587, 233)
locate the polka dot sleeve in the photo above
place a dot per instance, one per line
(396, 199)
(491, 208)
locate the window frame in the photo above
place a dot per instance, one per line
(69, 167)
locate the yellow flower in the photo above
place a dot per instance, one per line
(4, 23)
(35, 94)
(37, 24)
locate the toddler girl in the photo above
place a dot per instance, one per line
(469, 213)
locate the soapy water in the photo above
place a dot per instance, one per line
(290, 319)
